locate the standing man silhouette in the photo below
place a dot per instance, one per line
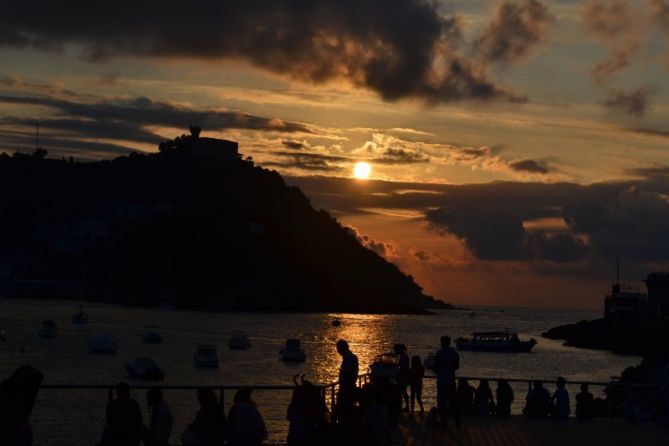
(348, 376)
(447, 362)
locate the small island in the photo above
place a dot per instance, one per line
(195, 225)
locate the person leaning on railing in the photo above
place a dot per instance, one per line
(348, 377)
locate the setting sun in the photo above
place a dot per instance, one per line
(361, 170)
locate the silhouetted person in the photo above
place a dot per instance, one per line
(209, 423)
(348, 377)
(17, 399)
(504, 398)
(124, 419)
(390, 395)
(483, 400)
(585, 404)
(537, 402)
(375, 421)
(416, 383)
(465, 396)
(403, 377)
(246, 426)
(306, 413)
(447, 361)
(160, 419)
(561, 399)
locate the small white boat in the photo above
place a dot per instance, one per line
(152, 337)
(80, 318)
(385, 366)
(293, 351)
(102, 343)
(49, 330)
(239, 341)
(206, 356)
(144, 368)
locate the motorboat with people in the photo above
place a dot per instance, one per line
(151, 336)
(385, 365)
(293, 352)
(49, 330)
(102, 344)
(239, 341)
(206, 355)
(495, 341)
(144, 368)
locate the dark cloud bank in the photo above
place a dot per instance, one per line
(400, 49)
(601, 221)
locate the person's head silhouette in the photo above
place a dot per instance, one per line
(153, 397)
(342, 346)
(445, 341)
(122, 390)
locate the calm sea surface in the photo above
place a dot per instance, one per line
(77, 417)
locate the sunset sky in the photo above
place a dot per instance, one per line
(517, 147)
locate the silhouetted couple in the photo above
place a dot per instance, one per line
(539, 403)
(124, 420)
(244, 426)
(480, 400)
(446, 362)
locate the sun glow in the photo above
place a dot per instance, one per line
(362, 170)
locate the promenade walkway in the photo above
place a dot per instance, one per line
(522, 431)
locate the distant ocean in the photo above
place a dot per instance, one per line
(77, 417)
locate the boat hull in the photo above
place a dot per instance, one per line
(293, 356)
(520, 347)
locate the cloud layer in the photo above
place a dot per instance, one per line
(399, 49)
(73, 120)
(581, 228)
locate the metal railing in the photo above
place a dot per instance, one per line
(329, 392)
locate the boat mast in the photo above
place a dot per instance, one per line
(83, 286)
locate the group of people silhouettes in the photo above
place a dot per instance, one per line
(244, 425)
(366, 414)
(381, 399)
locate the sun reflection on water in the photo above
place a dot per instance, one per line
(368, 336)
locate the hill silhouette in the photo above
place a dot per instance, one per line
(194, 225)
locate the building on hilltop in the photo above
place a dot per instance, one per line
(194, 145)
